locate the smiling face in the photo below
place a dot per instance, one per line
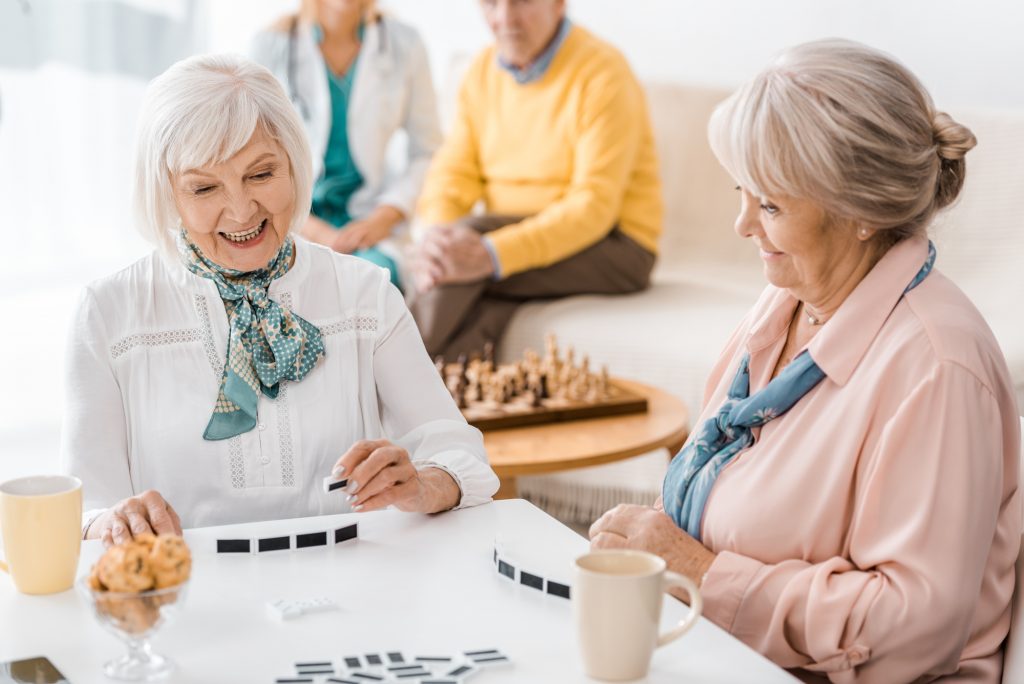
(803, 250)
(238, 212)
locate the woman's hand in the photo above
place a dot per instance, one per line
(365, 233)
(147, 512)
(628, 526)
(381, 474)
(319, 231)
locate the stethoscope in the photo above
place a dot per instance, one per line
(293, 32)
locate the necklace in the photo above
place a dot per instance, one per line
(811, 318)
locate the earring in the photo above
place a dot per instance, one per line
(863, 233)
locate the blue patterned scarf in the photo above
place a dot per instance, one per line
(693, 471)
(266, 343)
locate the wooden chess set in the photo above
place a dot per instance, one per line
(534, 390)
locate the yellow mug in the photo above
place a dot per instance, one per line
(41, 524)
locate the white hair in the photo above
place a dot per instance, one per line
(200, 112)
(849, 128)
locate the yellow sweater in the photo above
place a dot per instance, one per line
(573, 151)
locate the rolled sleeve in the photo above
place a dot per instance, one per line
(432, 428)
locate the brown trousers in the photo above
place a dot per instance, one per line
(457, 319)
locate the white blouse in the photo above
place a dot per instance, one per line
(145, 357)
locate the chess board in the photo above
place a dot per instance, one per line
(489, 415)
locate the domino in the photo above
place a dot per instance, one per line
(558, 589)
(345, 533)
(461, 672)
(304, 541)
(418, 673)
(234, 545)
(331, 484)
(273, 544)
(285, 542)
(531, 580)
(508, 570)
(288, 610)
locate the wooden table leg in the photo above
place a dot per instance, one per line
(508, 489)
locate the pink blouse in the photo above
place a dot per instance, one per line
(870, 533)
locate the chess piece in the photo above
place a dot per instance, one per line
(489, 352)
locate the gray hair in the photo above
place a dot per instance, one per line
(202, 111)
(849, 128)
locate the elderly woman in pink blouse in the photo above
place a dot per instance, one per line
(848, 500)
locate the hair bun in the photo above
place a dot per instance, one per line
(952, 139)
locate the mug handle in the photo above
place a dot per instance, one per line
(673, 579)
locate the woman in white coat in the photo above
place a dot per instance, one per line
(358, 79)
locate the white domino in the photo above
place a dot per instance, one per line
(288, 610)
(332, 484)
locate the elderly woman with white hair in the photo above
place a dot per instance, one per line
(848, 500)
(221, 378)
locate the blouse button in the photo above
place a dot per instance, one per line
(265, 460)
(262, 426)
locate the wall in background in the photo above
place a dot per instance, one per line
(68, 111)
(966, 53)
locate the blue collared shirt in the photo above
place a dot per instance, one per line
(538, 67)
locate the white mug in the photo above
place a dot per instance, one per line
(617, 596)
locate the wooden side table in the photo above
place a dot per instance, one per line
(560, 446)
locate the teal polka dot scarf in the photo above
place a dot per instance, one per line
(693, 471)
(266, 343)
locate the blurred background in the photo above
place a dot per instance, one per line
(72, 75)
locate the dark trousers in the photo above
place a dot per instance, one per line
(457, 319)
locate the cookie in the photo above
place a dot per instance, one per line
(170, 561)
(94, 579)
(126, 569)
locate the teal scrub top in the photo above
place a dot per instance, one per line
(341, 178)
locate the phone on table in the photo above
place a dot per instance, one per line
(37, 670)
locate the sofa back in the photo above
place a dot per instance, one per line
(701, 201)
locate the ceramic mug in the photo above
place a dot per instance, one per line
(617, 596)
(41, 523)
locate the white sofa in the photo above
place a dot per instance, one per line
(707, 277)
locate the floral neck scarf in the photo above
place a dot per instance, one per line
(266, 342)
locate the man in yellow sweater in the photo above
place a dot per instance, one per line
(552, 134)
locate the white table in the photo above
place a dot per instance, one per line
(418, 584)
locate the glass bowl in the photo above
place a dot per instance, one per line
(134, 618)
